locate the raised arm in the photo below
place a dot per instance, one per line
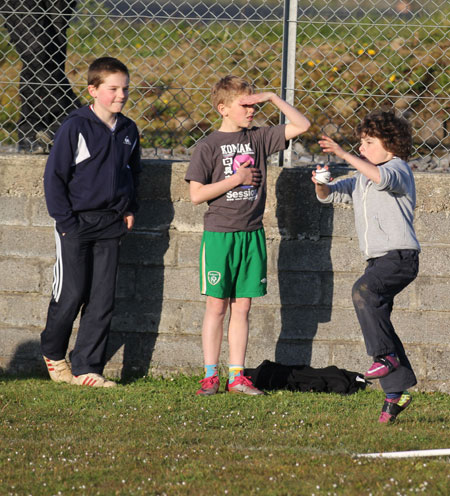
(366, 168)
(298, 123)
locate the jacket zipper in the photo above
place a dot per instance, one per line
(113, 160)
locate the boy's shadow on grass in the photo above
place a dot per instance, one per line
(140, 282)
(305, 270)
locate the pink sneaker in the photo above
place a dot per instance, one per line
(242, 385)
(210, 386)
(392, 408)
(381, 367)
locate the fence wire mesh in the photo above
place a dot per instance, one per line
(350, 57)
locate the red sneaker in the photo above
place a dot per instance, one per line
(242, 385)
(210, 385)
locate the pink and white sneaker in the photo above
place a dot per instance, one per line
(210, 386)
(382, 366)
(242, 385)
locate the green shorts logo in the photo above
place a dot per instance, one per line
(213, 277)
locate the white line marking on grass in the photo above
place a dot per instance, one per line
(407, 454)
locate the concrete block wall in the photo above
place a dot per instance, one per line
(306, 317)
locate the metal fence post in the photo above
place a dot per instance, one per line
(288, 69)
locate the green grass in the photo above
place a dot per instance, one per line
(154, 436)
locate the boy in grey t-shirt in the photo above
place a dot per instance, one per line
(228, 171)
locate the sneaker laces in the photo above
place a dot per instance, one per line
(208, 382)
(60, 365)
(242, 379)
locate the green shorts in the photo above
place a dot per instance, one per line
(233, 264)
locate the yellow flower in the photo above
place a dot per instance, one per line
(371, 51)
(335, 69)
(360, 51)
(311, 63)
(138, 45)
(411, 81)
(392, 78)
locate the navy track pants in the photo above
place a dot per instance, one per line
(84, 278)
(373, 298)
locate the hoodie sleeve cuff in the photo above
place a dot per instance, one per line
(67, 225)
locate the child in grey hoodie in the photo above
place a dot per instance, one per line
(383, 196)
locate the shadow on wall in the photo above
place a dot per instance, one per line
(139, 292)
(27, 360)
(305, 271)
(140, 284)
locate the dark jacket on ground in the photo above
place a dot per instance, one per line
(91, 168)
(272, 376)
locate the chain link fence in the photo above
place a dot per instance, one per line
(344, 58)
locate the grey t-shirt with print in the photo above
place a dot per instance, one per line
(217, 157)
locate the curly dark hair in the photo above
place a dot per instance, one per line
(394, 131)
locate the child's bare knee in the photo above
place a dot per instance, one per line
(241, 305)
(217, 306)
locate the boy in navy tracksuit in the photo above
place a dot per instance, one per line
(90, 187)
